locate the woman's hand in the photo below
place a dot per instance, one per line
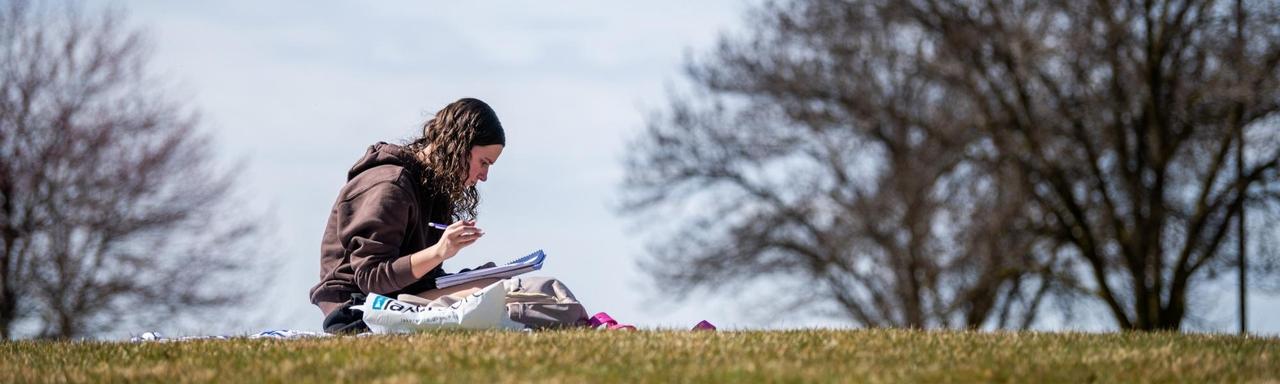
(456, 236)
(459, 235)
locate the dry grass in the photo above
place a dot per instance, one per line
(661, 356)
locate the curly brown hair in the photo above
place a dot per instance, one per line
(444, 149)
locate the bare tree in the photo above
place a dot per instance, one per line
(111, 210)
(814, 153)
(928, 163)
(1122, 115)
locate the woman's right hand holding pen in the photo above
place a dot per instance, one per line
(456, 236)
(459, 235)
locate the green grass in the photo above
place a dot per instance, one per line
(662, 356)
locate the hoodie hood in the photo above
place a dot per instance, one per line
(384, 154)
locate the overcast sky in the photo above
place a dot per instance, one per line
(299, 90)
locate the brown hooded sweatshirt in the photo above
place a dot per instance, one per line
(378, 220)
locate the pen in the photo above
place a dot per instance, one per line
(443, 227)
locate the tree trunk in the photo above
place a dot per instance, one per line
(8, 298)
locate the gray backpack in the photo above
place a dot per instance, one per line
(543, 302)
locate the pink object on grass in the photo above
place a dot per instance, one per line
(609, 323)
(704, 326)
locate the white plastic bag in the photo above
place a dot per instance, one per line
(484, 309)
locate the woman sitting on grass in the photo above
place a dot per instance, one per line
(379, 237)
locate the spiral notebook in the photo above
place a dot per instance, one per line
(532, 262)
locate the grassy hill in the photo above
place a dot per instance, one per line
(662, 356)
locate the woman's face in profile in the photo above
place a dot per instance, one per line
(481, 158)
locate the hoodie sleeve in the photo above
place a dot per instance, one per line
(377, 220)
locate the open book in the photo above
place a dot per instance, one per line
(522, 265)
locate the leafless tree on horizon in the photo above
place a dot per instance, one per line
(957, 163)
(112, 210)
